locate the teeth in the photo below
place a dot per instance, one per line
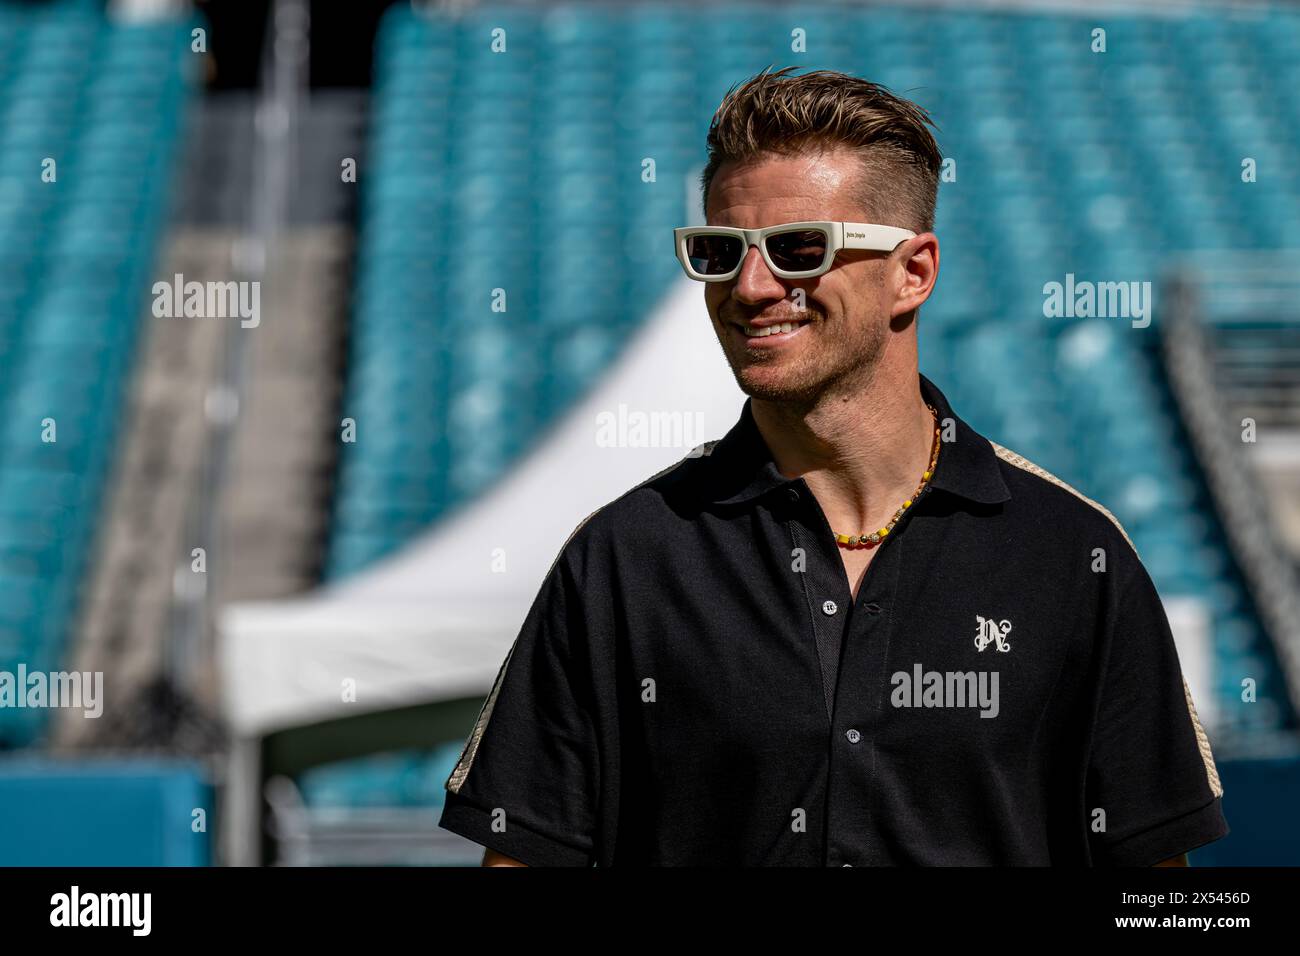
(758, 333)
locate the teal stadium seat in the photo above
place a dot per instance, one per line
(105, 99)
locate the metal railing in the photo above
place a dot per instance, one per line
(1267, 569)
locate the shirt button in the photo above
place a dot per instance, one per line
(853, 736)
(792, 495)
(872, 608)
(829, 608)
(848, 864)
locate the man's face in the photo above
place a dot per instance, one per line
(845, 312)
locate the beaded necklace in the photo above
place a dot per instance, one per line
(866, 540)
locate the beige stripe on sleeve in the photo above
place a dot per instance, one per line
(457, 778)
(1202, 741)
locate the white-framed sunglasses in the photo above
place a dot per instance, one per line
(792, 250)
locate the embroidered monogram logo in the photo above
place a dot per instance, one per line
(990, 631)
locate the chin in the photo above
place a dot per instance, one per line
(763, 384)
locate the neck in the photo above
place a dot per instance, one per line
(862, 453)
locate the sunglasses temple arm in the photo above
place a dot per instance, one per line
(868, 236)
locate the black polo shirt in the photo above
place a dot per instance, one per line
(1008, 690)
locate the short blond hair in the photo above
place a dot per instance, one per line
(787, 115)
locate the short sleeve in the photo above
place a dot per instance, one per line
(526, 783)
(1150, 767)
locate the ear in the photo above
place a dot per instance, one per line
(916, 269)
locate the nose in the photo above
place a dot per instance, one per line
(755, 283)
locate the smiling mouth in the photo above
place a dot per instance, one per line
(759, 332)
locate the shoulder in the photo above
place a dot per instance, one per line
(646, 509)
(1061, 512)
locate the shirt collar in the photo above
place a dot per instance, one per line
(968, 465)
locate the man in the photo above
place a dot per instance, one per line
(853, 631)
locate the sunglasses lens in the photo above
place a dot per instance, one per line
(713, 255)
(798, 251)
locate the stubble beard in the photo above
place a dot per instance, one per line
(838, 362)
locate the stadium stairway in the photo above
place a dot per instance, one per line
(1249, 309)
(253, 499)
